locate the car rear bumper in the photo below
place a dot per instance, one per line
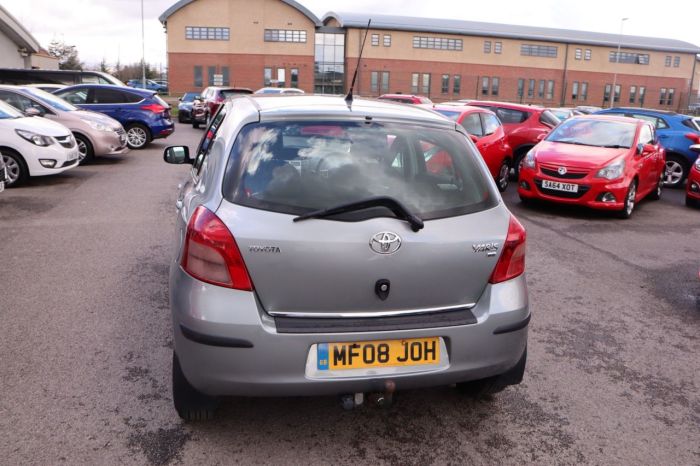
(227, 345)
(592, 197)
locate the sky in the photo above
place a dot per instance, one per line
(111, 29)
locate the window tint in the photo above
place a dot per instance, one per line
(657, 122)
(132, 98)
(21, 102)
(597, 133)
(646, 135)
(507, 115)
(472, 123)
(107, 96)
(490, 123)
(75, 96)
(205, 144)
(296, 167)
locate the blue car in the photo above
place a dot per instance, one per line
(676, 132)
(150, 85)
(143, 114)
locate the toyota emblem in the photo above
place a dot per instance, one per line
(385, 242)
(562, 170)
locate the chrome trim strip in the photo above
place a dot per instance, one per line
(363, 314)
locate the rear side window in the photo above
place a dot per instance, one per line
(490, 122)
(75, 96)
(132, 98)
(298, 167)
(508, 115)
(472, 123)
(107, 96)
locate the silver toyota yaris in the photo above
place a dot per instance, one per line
(335, 247)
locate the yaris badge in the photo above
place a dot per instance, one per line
(385, 242)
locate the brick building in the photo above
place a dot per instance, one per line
(280, 42)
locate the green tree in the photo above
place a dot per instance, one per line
(67, 55)
(103, 66)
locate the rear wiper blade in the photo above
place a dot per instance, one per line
(390, 203)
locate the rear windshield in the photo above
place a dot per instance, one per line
(550, 119)
(299, 167)
(599, 133)
(229, 92)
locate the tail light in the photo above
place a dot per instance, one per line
(512, 261)
(693, 137)
(155, 108)
(211, 253)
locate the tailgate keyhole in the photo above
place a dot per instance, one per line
(382, 288)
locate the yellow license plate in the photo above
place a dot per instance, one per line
(389, 353)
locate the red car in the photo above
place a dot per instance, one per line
(204, 108)
(603, 162)
(488, 135)
(692, 194)
(524, 125)
(406, 99)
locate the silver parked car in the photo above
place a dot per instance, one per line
(95, 133)
(327, 248)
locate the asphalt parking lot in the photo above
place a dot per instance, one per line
(613, 374)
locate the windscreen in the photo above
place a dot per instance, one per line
(299, 167)
(51, 100)
(598, 133)
(7, 111)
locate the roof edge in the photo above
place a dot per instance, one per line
(163, 18)
(20, 33)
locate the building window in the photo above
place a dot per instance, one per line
(385, 82)
(387, 40)
(374, 81)
(485, 85)
(497, 47)
(587, 54)
(438, 43)
(211, 71)
(426, 84)
(669, 100)
(540, 89)
(487, 46)
(415, 77)
(457, 84)
(294, 77)
(521, 87)
(495, 85)
(531, 50)
(617, 92)
(375, 40)
(574, 90)
(584, 91)
(676, 61)
(578, 54)
(198, 81)
(267, 76)
(550, 90)
(633, 94)
(284, 35)
(628, 57)
(642, 92)
(667, 62)
(531, 88)
(206, 33)
(281, 77)
(662, 96)
(606, 93)
(226, 76)
(329, 63)
(445, 88)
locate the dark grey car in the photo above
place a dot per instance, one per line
(327, 248)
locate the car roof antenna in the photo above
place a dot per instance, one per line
(348, 98)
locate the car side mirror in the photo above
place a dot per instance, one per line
(474, 138)
(177, 155)
(32, 112)
(540, 137)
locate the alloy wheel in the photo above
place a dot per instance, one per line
(629, 200)
(503, 176)
(82, 150)
(674, 172)
(13, 169)
(136, 136)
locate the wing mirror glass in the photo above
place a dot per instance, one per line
(177, 155)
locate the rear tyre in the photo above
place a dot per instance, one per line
(86, 153)
(627, 210)
(690, 202)
(676, 171)
(484, 388)
(517, 162)
(17, 171)
(503, 176)
(195, 123)
(180, 117)
(190, 404)
(137, 136)
(525, 200)
(655, 195)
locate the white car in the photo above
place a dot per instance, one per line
(33, 146)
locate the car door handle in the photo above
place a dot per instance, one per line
(179, 204)
(663, 136)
